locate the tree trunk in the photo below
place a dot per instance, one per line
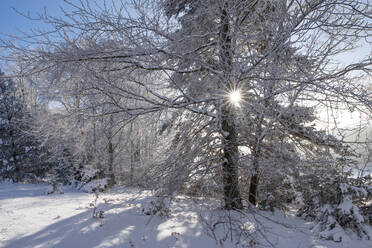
(232, 196)
(135, 152)
(256, 155)
(254, 184)
(111, 164)
(110, 150)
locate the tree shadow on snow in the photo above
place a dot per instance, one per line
(19, 190)
(122, 226)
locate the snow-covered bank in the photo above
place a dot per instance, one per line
(29, 218)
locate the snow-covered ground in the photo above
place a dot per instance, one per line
(29, 218)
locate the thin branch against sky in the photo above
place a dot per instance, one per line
(13, 23)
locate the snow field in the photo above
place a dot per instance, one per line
(31, 219)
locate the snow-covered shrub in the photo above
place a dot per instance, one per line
(160, 205)
(97, 214)
(364, 202)
(205, 186)
(64, 171)
(275, 192)
(367, 213)
(54, 188)
(276, 184)
(95, 185)
(333, 202)
(225, 226)
(54, 184)
(92, 181)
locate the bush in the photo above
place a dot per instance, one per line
(335, 205)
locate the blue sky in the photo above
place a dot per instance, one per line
(10, 21)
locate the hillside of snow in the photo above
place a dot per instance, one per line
(30, 218)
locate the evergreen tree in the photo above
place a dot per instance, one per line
(20, 156)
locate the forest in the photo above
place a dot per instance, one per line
(256, 105)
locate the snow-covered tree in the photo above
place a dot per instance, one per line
(20, 154)
(241, 76)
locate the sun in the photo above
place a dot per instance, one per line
(235, 97)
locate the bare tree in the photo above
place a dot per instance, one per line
(149, 56)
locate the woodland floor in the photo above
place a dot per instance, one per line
(30, 218)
